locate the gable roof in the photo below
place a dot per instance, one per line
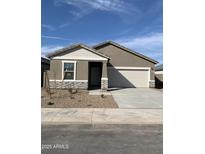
(125, 49)
(69, 48)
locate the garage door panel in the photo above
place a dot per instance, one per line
(116, 78)
(128, 78)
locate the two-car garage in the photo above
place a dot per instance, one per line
(127, 68)
(128, 77)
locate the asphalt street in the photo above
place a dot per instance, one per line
(102, 139)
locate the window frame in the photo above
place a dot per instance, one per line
(74, 71)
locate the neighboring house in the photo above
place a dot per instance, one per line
(159, 76)
(105, 65)
(45, 65)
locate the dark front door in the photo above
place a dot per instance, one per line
(95, 73)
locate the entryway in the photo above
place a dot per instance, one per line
(95, 74)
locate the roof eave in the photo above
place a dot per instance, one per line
(60, 51)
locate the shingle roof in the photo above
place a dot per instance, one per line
(159, 67)
(126, 49)
(60, 51)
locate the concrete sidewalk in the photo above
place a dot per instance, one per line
(100, 116)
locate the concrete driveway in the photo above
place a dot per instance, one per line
(138, 98)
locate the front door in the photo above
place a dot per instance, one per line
(95, 73)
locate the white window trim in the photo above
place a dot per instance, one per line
(130, 68)
(74, 72)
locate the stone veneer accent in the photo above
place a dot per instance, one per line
(104, 83)
(152, 83)
(69, 84)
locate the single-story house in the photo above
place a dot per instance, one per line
(105, 65)
(159, 76)
(45, 65)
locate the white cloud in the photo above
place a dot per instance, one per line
(49, 27)
(151, 41)
(54, 37)
(150, 45)
(85, 7)
(50, 48)
(64, 25)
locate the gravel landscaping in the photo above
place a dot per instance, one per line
(75, 99)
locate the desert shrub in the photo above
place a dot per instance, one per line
(102, 95)
(50, 103)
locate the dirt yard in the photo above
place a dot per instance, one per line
(75, 99)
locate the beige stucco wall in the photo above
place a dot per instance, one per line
(104, 69)
(152, 73)
(82, 70)
(122, 58)
(81, 56)
(55, 72)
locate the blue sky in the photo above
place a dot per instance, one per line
(136, 24)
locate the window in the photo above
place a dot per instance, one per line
(69, 71)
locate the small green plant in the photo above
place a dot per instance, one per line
(102, 95)
(50, 103)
